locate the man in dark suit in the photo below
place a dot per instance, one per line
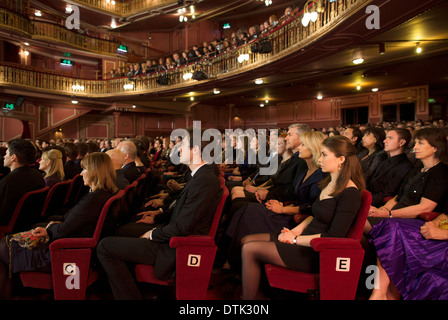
(129, 167)
(70, 167)
(191, 214)
(22, 178)
(388, 176)
(117, 160)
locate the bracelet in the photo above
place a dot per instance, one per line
(390, 213)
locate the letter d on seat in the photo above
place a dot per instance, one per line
(194, 260)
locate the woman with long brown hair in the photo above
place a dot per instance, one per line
(333, 214)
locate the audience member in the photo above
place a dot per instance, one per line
(424, 188)
(374, 154)
(51, 164)
(22, 178)
(130, 170)
(191, 214)
(117, 158)
(339, 202)
(79, 222)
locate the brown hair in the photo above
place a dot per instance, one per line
(100, 171)
(350, 168)
(437, 139)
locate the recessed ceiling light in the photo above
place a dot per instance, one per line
(358, 87)
(261, 105)
(259, 81)
(358, 60)
(74, 101)
(319, 97)
(216, 91)
(375, 89)
(26, 43)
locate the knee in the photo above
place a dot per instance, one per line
(103, 247)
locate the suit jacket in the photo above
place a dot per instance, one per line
(13, 186)
(388, 177)
(120, 181)
(191, 215)
(131, 172)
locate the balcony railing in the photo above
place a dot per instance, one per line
(285, 39)
(124, 9)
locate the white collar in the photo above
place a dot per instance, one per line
(194, 171)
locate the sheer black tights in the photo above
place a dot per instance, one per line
(257, 249)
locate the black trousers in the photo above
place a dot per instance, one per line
(116, 254)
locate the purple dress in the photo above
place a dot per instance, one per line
(416, 266)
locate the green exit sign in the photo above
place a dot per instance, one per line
(9, 106)
(122, 48)
(66, 62)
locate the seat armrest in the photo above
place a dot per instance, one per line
(428, 216)
(72, 243)
(319, 244)
(176, 242)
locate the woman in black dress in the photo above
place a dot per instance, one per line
(373, 154)
(333, 215)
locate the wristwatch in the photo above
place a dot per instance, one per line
(295, 240)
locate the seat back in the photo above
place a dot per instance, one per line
(27, 211)
(56, 198)
(357, 228)
(76, 190)
(217, 217)
(129, 195)
(109, 209)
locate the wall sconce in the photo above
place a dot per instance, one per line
(313, 13)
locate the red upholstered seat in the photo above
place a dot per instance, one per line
(27, 212)
(194, 260)
(340, 264)
(68, 253)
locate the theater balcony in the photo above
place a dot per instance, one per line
(302, 69)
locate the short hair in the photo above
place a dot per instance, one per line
(437, 139)
(82, 149)
(299, 128)
(57, 165)
(404, 134)
(356, 133)
(71, 150)
(100, 171)
(128, 147)
(24, 151)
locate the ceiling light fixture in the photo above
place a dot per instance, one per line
(74, 101)
(38, 13)
(358, 87)
(311, 13)
(319, 97)
(418, 49)
(187, 76)
(216, 91)
(358, 61)
(375, 89)
(259, 81)
(261, 105)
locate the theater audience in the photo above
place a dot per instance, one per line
(424, 188)
(51, 164)
(192, 214)
(339, 202)
(79, 222)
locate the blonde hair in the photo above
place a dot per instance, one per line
(57, 166)
(100, 171)
(313, 141)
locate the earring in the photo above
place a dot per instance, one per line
(339, 166)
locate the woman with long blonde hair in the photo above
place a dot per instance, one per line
(51, 163)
